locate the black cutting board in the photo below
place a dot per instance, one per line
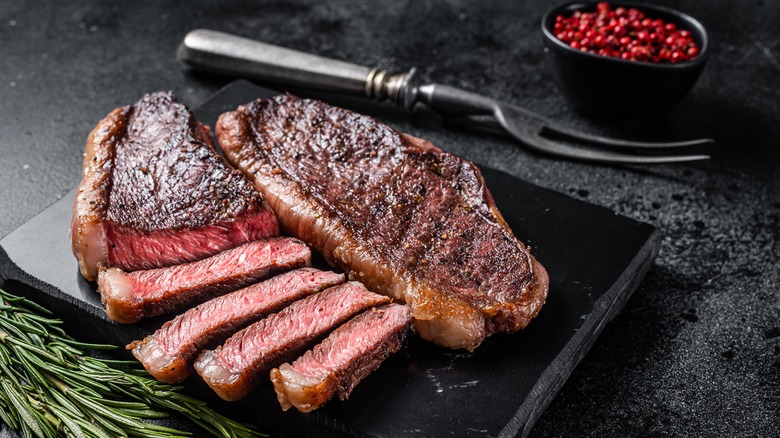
(595, 259)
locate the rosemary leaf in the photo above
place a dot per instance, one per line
(9, 328)
(23, 410)
(152, 429)
(33, 325)
(32, 349)
(32, 370)
(91, 429)
(85, 382)
(87, 346)
(104, 413)
(142, 413)
(125, 404)
(64, 349)
(6, 414)
(70, 427)
(31, 306)
(62, 402)
(117, 363)
(50, 387)
(22, 326)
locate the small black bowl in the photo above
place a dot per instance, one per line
(612, 88)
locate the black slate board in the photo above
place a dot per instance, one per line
(595, 259)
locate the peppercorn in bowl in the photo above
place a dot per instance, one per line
(623, 60)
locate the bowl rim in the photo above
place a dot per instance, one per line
(696, 26)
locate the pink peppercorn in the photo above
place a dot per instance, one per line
(625, 33)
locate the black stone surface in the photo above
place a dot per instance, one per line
(696, 351)
(595, 260)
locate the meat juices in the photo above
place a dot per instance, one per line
(129, 297)
(348, 355)
(232, 370)
(395, 212)
(169, 352)
(154, 192)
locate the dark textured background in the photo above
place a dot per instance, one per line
(697, 349)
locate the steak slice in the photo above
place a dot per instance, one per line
(343, 359)
(155, 193)
(395, 212)
(130, 297)
(169, 352)
(232, 369)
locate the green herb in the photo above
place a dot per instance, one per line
(49, 387)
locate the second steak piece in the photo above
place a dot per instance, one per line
(169, 352)
(233, 369)
(130, 297)
(347, 356)
(395, 212)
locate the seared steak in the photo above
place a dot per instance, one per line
(155, 193)
(342, 360)
(394, 211)
(232, 370)
(169, 352)
(129, 297)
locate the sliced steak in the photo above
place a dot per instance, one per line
(155, 193)
(129, 297)
(394, 211)
(169, 352)
(233, 369)
(347, 356)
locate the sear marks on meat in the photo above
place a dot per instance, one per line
(169, 352)
(130, 297)
(233, 369)
(347, 356)
(155, 193)
(395, 212)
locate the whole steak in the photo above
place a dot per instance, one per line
(394, 211)
(155, 193)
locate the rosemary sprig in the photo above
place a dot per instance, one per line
(49, 387)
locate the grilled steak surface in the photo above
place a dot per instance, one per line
(155, 193)
(129, 297)
(394, 211)
(348, 355)
(169, 352)
(233, 369)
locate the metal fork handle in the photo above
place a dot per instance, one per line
(233, 55)
(454, 102)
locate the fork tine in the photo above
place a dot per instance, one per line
(598, 140)
(549, 146)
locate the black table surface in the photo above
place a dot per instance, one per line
(696, 351)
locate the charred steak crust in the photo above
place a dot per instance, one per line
(394, 211)
(152, 181)
(169, 352)
(348, 355)
(88, 235)
(130, 297)
(167, 176)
